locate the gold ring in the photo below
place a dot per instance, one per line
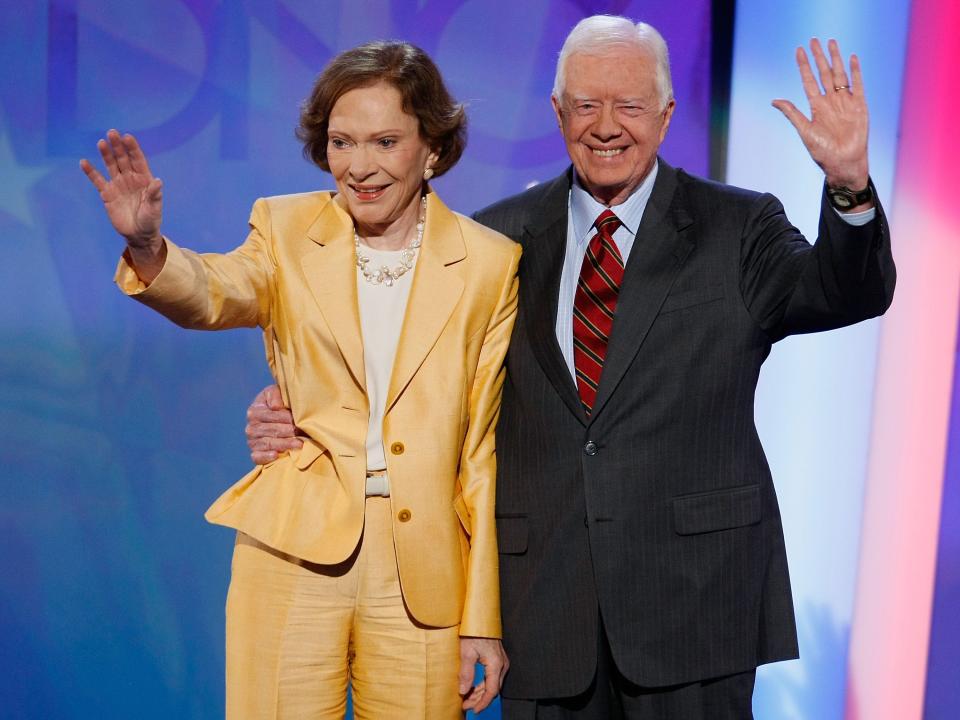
(838, 88)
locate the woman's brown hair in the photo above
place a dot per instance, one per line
(442, 120)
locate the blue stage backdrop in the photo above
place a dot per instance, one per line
(119, 428)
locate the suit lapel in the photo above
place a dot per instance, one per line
(435, 293)
(330, 271)
(658, 254)
(541, 265)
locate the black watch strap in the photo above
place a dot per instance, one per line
(843, 198)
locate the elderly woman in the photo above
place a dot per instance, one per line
(369, 555)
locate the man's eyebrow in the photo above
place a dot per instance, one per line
(635, 99)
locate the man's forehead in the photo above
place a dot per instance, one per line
(619, 86)
(629, 69)
(612, 53)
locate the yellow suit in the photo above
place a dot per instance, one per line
(295, 276)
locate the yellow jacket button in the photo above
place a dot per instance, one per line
(397, 448)
(404, 515)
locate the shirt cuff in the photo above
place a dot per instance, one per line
(858, 218)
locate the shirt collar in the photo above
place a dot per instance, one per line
(584, 209)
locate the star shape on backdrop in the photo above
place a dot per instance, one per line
(16, 181)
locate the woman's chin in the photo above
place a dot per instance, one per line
(371, 217)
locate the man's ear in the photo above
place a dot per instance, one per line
(556, 110)
(667, 114)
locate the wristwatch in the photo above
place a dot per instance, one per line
(843, 198)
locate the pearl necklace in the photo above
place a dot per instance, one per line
(384, 275)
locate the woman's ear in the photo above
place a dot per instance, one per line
(432, 159)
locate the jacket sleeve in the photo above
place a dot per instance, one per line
(211, 291)
(791, 287)
(478, 465)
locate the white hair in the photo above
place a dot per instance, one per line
(601, 34)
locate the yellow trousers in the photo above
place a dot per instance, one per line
(298, 633)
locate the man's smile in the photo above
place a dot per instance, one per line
(607, 152)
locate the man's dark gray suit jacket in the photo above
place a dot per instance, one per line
(659, 509)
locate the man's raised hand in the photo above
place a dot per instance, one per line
(835, 135)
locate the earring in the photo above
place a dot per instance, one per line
(428, 173)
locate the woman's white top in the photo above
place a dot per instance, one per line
(382, 309)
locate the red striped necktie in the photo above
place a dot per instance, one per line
(594, 305)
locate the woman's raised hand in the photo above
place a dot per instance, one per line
(132, 197)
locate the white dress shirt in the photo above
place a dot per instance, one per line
(382, 309)
(582, 212)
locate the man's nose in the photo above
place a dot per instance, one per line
(606, 126)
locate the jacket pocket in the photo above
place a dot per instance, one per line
(716, 510)
(689, 298)
(310, 451)
(461, 509)
(512, 535)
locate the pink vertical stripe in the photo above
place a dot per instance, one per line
(891, 624)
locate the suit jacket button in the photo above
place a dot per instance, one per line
(591, 448)
(404, 515)
(397, 448)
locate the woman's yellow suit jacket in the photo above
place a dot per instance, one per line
(295, 276)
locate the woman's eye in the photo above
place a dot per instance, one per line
(338, 143)
(387, 142)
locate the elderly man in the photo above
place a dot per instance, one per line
(642, 563)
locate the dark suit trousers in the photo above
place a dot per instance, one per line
(613, 697)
